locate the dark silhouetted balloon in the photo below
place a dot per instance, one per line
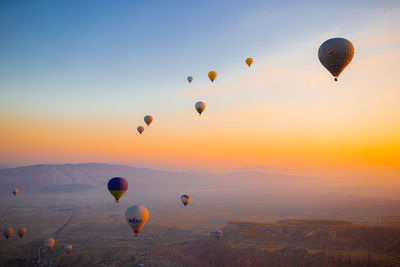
(148, 119)
(335, 54)
(21, 231)
(7, 232)
(200, 107)
(185, 199)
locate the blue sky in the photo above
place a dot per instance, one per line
(124, 52)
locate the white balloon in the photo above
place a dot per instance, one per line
(136, 217)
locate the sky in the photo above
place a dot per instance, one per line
(77, 78)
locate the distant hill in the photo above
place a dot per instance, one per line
(298, 243)
(62, 178)
(388, 221)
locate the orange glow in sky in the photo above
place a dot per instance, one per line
(281, 113)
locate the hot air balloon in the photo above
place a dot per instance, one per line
(249, 61)
(200, 107)
(212, 75)
(15, 192)
(21, 231)
(190, 79)
(185, 199)
(148, 119)
(335, 54)
(117, 187)
(140, 129)
(136, 217)
(68, 248)
(218, 234)
(49, 243)
(7, 232)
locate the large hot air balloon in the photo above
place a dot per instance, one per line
(15, 192)
(7, 232)
(117, 187)
(212, 75)
(200, 107)
(21, 231)
(49, 243)
(190, 79)
(68, 248)
(335, 54)
(140, 129)
(249, 61)
(136, 217)
(185, 199)
(148, 119)
(218, 234)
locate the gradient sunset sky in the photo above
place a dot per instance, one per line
(77, 77)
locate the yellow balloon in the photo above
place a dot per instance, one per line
(212, 75)
(249, 61)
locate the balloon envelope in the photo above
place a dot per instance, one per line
(185, 199)
(136, 217)
(335, 54)
(212, 75)
(140, 129)
(21, 231)
(218, 234)
(117, 187)
(7, 232)
(249, 61)
(148, 119)
(68, 248)
(200, 107)
(190, 79)
(49, 243)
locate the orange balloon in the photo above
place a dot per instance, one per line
(212, 75)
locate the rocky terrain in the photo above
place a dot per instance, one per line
(298, 243)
